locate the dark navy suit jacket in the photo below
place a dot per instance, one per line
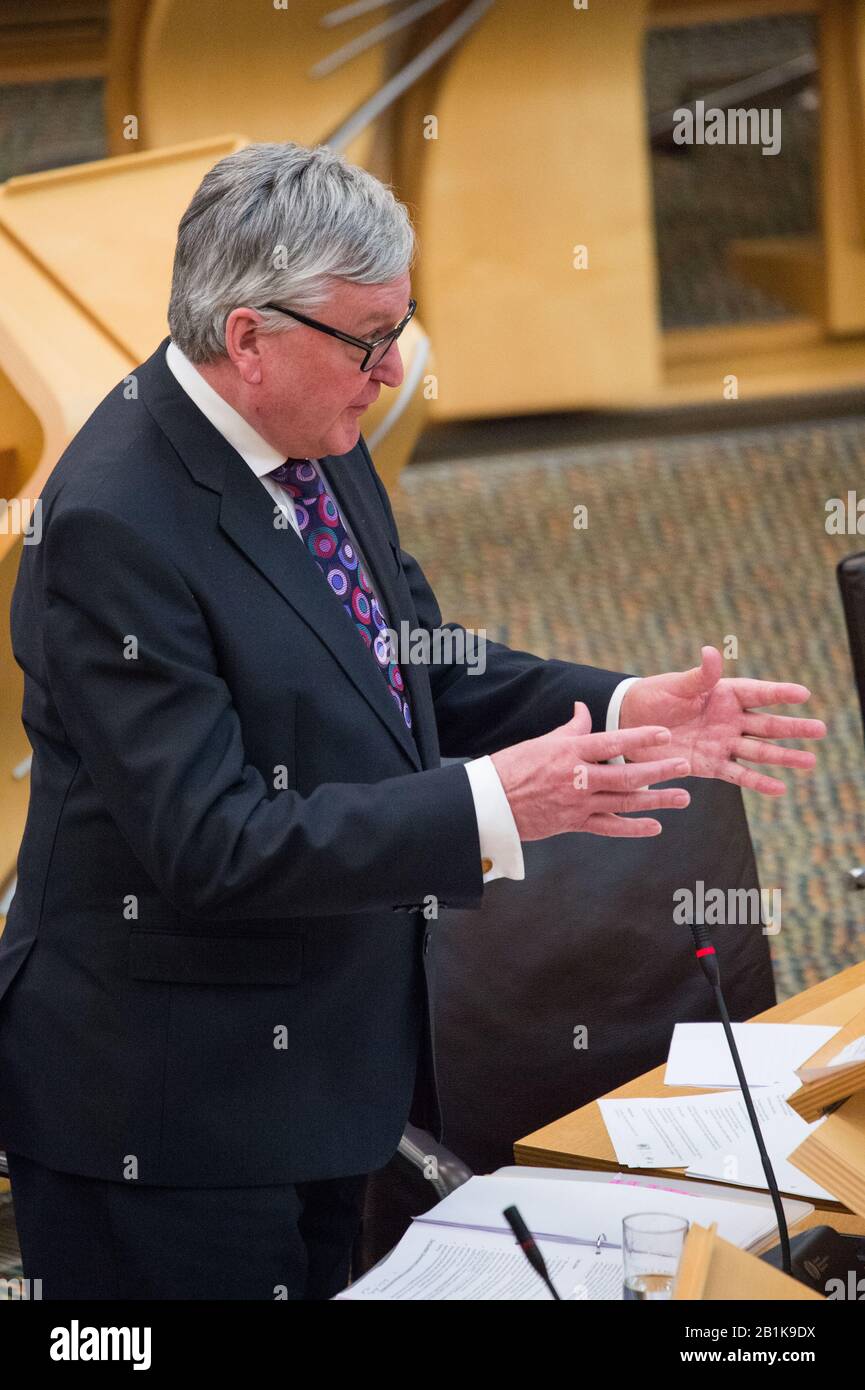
(213, 968)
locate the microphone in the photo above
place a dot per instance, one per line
(526, 1242)
(705, 953)
(820, 1254)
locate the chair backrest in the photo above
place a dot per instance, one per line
(851, 582)
(566, 984)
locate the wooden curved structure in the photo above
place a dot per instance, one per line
(540, 150)
(188, 69)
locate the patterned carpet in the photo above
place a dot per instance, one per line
(46, 125)
(10, 1255)
(688, 541)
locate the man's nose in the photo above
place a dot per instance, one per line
(390, 370)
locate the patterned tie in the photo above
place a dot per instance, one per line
(325, 536)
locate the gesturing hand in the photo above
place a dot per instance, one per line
(715, 722)
(558, 782)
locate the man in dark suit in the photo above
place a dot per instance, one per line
(213, 1010)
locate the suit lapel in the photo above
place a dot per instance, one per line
(246, 515)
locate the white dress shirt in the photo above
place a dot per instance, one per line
(497, 831)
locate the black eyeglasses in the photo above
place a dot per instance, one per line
(374, 351)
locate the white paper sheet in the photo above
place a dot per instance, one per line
(749, 1171)
(770, 1052)
(711, 1136)
(449, 1264)
(853, 1052)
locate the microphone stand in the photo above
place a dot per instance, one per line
(821, 1253)
(705, 953)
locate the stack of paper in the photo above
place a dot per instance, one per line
(711, 1135)
(853, 1052)
(464, 1249)
(835, 1072)
(770, 1053)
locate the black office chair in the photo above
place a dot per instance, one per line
(419, 1175)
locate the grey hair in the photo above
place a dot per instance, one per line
(280, 222)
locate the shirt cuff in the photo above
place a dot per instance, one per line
(497, 829)
(614, 709)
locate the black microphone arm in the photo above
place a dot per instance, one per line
(705, 953)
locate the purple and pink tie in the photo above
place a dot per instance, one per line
(327, 540)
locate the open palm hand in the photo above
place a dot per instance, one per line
(719, 724)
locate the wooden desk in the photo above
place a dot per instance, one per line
(580, 1139)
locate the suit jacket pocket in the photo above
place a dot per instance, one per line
(184, 958)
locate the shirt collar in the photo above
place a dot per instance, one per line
(253, 449)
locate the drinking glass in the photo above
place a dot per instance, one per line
(651, 1248)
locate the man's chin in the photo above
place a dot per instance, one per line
(343, 438)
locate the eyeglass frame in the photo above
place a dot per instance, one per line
(370, 347)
